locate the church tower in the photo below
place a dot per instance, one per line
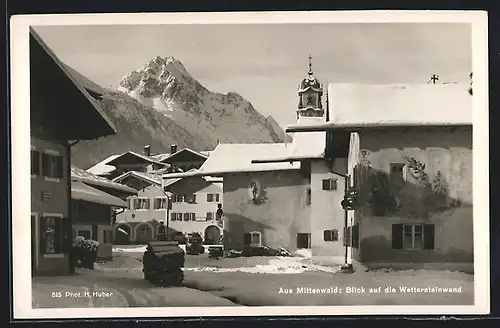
(310, 93)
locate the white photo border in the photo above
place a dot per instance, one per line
(20, 138)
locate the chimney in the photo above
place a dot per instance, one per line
(173, 149)
(147, 150)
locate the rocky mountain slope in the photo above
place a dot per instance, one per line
(162, 104)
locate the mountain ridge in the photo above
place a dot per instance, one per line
(161, 104)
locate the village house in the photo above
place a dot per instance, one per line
(57, 122)
(409, 150)
(176, 161)
(95, 203)
(281, 195)
(184, 205)
(116, 165)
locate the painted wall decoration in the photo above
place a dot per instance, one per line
(419, 196)
(257, 193)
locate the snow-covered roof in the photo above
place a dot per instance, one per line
(366, 106)
(77, 174)
(141, 156)
(304, 145)
(163, 156)
(309, 145)
(82, 191)
(152, 178)
(234, 158)
(102, 168)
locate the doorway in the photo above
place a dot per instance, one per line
(303, 240)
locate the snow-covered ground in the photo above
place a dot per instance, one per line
(298, 263)
(280, 265)
(142, 248)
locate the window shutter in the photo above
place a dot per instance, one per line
(147, 204)
(247, 239)
(59, 171)
(326, 184)
(428, 236)
(156, 203)
(45, 165)
(333, 184)
(136, 203)
(66, 232)
(327, 235)
(335, 235)
(42, 234)
(355, 235)
(397, 236)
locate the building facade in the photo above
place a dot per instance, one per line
(280, 195)
(55, 121)
(192, 207)
(409, 165)
(95, 203)
(415, 202)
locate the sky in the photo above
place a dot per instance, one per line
(265, 63)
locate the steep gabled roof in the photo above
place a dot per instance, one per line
(77, 174)
(237, 158)
(145, 159)
(147, 177)
(102, 168)
(184, 154)
(73, 103)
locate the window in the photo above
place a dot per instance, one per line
(176, 217)
(51, 235)
(253, 238)
(331, 235)
(210, 216)
(308, 196)
(329, 184)
(160, 203)
(213, 198)
(303, 240)
(107, 236)
(189, 216)
(35, 162)
(177, 198)
(397, 175)
(52, 165)
(190, 198)
(144, 230)
(129, 203)
(413, 236)
(141, 204)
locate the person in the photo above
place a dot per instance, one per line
(219, 214)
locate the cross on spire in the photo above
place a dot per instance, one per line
(434, 78)
(310, 65)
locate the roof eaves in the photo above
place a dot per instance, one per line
(73, 79)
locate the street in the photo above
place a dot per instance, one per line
(256, 281)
